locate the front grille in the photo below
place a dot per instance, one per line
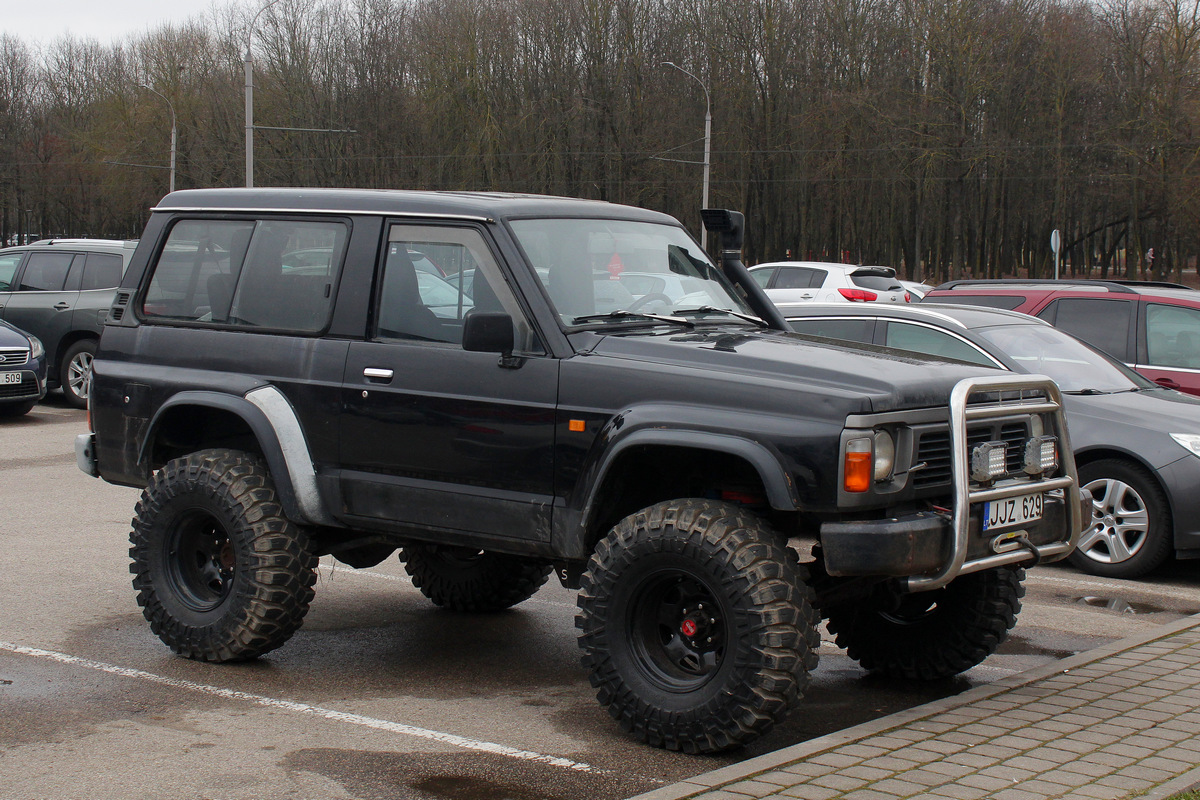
(933, 449)
(28, 387)
(13, 357)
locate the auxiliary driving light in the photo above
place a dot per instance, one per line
(1041, 455)
(989, 461)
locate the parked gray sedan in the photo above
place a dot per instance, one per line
(1137, 444)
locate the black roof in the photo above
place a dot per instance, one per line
(472, 205)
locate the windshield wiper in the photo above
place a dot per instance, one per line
(713, 310)
(620, 314)
(1088, 392)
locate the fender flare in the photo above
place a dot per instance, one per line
(272, 420)
(780, 488)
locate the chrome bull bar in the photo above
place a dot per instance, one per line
(964, 497)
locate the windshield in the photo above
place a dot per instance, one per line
(594, 267)
(1074, 366)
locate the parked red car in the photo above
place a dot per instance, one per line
(1152, 327)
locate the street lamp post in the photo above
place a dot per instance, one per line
(174, 135)
(707, 143)
(249, 65)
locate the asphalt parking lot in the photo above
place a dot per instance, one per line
(380, 695)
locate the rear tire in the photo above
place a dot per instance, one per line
(696, 626)
(75, 372)
(930, 635)
(221, 573)
(467, 579)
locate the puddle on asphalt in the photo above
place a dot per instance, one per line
(1122, 606)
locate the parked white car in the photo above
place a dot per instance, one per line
(824, 282)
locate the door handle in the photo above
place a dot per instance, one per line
(378, 375)
(1167, 382)
(63, 306)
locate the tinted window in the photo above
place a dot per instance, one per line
(855, 330)
(268, 273)
(101, 271)
(1100, 323)
(880, 283)
(931, 341)
(1006, 301)
(46, 272)
(8, 268)
(799, 278)
(1172, 336)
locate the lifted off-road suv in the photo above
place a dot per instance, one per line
(292, 373)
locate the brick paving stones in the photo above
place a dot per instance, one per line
(1108, 724)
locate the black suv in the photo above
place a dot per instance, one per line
(284, 382)
(60, 291)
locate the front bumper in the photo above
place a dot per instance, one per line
(921, 543)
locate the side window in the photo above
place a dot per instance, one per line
(46, 272)
(855, 330)
(8, 269)
(433, 278)
(798, 278)
(920, 339)
(276, 274)
(762, 276)
(1100, 323)
(1172, 336)
(101, 271)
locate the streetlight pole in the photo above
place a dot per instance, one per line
(707, 143)
(174, 135)
(248, 61)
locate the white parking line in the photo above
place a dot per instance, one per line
(304, 708)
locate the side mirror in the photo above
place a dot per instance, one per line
(488, 332)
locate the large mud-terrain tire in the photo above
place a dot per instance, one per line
(221, 573)
(696, 626)
(468, 579)
(1130, 532)
(930, 635)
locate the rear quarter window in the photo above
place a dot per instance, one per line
(265, 273)
(1101, 323)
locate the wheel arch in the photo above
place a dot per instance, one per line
(1083, 459)
(653, 465)
(54, 365)
(261, 422)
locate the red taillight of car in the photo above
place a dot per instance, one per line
(858, 295)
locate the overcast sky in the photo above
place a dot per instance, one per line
(40, 21)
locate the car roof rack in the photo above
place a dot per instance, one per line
(1116, 287)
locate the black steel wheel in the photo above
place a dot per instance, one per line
(468, 579)
(696, 626)
(930, 635)
(221, 573)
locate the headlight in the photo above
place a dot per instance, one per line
(35, 347)
(885, 455)
(1189, 441)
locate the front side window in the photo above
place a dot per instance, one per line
(433, 278)
(1172, 336)
(46, 272)
(598, 269)
(8, 269)
(268, 273)
(931, 341)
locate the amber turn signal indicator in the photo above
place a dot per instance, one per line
(857, 470)
(576, 425)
